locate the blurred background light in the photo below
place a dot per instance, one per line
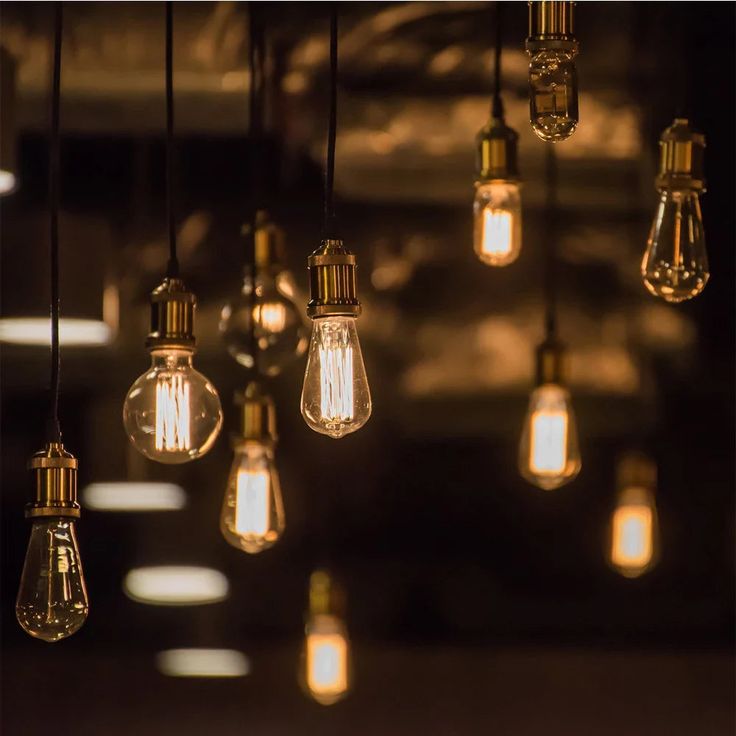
(203, 663)
(130, 496)
(72, 332)
(172, 585)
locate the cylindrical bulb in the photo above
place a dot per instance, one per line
(266, 305)
(553, 93)
(52, 598)
(326, 659)
(497, 222)
(549, 455)
(336, 399)
(252, 517)
(675, 265)
(172, 413)
(633, 532)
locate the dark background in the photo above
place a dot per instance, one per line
(477, 603)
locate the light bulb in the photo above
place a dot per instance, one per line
(252, 517)
(675, 265)
(172, 413)
(52, 598)
(634, 532)
(280, 332)
(336, 399)
(553, 79)
(548, 453)
(497, 227)
(326, 671)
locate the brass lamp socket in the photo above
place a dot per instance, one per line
(325, 596)
(551, 26)
(681, 154)
(497, 152)
(268, 242)
(257, 419)
(551, 363)
(332, 281)
(636, 470)
(55, 492)
(172, 316)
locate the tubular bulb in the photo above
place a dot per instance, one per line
(497, 222)
(172, 413)
(336, 399)
(553, 98)
(52, 598)
(252, 517)
(549, 455)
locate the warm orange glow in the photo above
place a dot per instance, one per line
(271, 316)
(548, 446)
(497, 232)
(252, 502)
(632, 543)
(327, 666)
(172, 413)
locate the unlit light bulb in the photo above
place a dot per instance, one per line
(172, 413)
(336, 399)
(252, 517)
(553, 94)
(549, 455)
(52, 599)
(497, 229)
(675, 265)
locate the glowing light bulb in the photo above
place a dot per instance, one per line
(52, 599)
(336, 399)
(326, 673)
(172, 413)
(252, 516)
(634, 528)
(497, 230)
(548, 453)
(675, 264)
(553, 81)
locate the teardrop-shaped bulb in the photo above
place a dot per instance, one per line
(549, 455)
(265, 304)
(553, 94)
(497, 222)
(675, 265)
(52, 598)
(172, 413)
(252, 517)
(336, 399)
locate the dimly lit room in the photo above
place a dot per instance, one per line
(367, 368)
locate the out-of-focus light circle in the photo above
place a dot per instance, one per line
(125, 496)
(202, 663)
(37, 331)
(7, 182)
(173, 585)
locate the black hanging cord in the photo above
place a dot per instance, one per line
(256, 65)
(497, 105)
(172, 269)
(54, 427)
(329, 215)
(550, 262)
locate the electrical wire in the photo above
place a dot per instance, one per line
(329, 203)
(54, 426)
(172, 269)
(497, 104)
(550, 261)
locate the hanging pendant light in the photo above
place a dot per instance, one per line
(172, 413)
(52, 599)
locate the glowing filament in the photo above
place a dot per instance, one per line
(271, 316)
(548, 453)
(632, 545)
(497, 231)
(327, 664)
(336, 383)
(253, 490)
(172, 413)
